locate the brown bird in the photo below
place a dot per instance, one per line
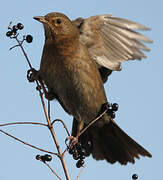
(78, 57)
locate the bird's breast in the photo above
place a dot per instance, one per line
(77, 83)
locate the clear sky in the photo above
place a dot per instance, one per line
(137, 89)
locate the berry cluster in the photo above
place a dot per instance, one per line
(14, 29)
(134, 176)
(111, 109)
(13, 32)
(78, 153)
(44, 158)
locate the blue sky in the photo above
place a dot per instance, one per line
(137, 89)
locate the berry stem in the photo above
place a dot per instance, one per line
(20, 44)
(27, 143)
(52, 170)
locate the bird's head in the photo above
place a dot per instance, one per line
(58, 26)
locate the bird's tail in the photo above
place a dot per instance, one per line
(111, 143)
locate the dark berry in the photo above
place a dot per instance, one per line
(71, 151)
(105, 106)
(42, 158)
(134, 176)
(81, 157)
(78, 145)
(47, 157)
(89, 144)
(76, 156)
(20, 26)
(38, 157)
(112, 115)
(115, 107)
(82, 151)
(15, 28)
(9, 33)
(109, 112)
(29, 38)
(80, 163)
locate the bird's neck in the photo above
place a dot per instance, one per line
(64, 46)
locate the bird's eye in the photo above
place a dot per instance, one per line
(59, 21)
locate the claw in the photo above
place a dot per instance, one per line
(32, 75)
(73, 141)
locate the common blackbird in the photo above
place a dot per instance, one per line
(78, 57)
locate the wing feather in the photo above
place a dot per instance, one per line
(111, 40)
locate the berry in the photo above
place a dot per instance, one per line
(15, 28)
(71, 151)
(20, 26)
(76, 156)
(81, 157)
(89, 144)
(79, 163)
(134, 176)
(115, 107)
(47, 157)
(29, 38)
(82, 151)
(105, 106)
(42, 158)
(112, 115)
(78, 145)
(9, 33)
(38, 157)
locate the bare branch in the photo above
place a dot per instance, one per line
(52, 170)
(92, 122)
(64, 125)
(35, 147)
(25, 123)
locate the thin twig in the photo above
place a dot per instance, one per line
(81, 170)
(49, 109)
(64, 125)
(35, 147)
(14, 47)
(92, 122)
(25, 123)
(20, 44)
(52, 170)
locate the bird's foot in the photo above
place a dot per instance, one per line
(73, 140)
(32, 75)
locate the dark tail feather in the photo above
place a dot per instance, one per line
(113, 144)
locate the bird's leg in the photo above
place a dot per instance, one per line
(33, 75)
(80, 128)
(74, 139)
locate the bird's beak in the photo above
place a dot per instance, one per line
(40, 19)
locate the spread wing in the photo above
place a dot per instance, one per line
(111, 40)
